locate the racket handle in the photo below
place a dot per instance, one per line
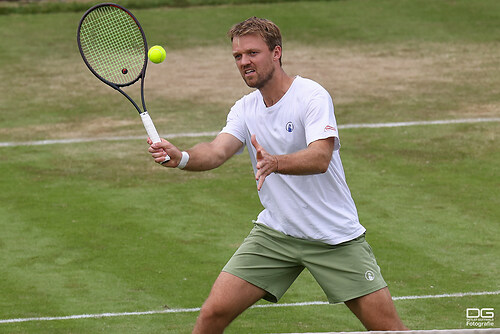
(151, 130)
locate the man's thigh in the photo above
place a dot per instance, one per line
(229, 297)
(377, 311)
(231, 294)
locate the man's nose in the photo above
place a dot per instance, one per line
(245, 59)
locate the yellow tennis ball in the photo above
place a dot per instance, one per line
(157, 54)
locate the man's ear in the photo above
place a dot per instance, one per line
(277, 53)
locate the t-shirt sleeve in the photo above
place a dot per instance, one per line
(320, 120)
(235, 124)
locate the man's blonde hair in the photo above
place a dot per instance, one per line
(266, 29)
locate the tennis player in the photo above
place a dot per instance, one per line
(309, 218)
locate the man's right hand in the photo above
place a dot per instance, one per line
(160, 150)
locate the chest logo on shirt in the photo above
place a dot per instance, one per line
(289, 127)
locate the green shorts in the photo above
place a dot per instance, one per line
(272, 261)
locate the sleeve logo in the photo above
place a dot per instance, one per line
(330, 128)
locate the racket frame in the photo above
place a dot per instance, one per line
(146, 119)
(141, 75)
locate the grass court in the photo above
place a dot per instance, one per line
(94, 227)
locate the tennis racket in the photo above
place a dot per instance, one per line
(114, 48)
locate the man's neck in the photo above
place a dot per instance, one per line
(276, 88)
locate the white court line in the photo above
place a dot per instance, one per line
(86, 140)
(214, 133)
(197, 309)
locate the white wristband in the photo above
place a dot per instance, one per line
(184, 160)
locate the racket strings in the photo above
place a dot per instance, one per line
(113, 44)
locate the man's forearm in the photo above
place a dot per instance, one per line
(210, 155)
(203, 157)
(312, 160)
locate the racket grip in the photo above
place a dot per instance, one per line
(151, 130)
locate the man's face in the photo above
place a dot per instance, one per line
(254, 60)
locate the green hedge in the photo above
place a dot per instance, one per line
(34, 7)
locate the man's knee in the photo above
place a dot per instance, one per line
(212, 319)
(213, 313)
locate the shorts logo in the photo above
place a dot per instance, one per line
(289, 127)
(369, 275)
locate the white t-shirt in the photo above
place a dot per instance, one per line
(313, 207)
